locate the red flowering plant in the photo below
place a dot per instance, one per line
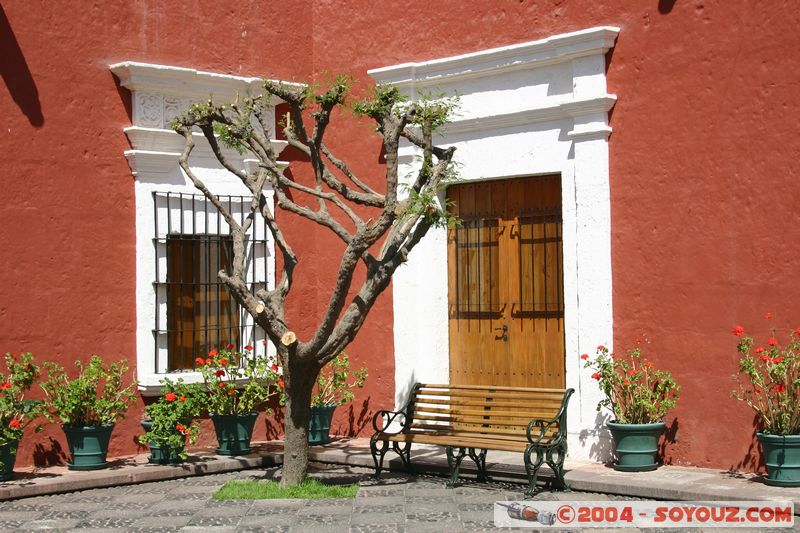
(769, 380)
(239, 382)
(635, 391)
(171, 418)
(334, 386)
(16, 413)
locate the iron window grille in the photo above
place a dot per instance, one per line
(194, 311)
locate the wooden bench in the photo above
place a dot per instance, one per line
(470, 420)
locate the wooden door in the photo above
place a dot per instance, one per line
(505, 283)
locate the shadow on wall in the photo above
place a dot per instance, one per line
(665, 6)
(49, 453)
(602, 450)
(753, 461)
(670, 433)
(17, 76)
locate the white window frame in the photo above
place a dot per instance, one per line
(159, 93)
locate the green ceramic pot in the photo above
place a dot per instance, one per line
(8, 456)
(320, 425)
(234, 433)
(782, 458)
(162, 455)
(88, 446)
(636, 445)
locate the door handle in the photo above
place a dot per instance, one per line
(504, 328)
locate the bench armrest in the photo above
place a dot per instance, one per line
(538, 427)
(383, 419)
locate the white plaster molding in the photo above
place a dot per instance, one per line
(555, 49)
(188, 83)
(530, 109)
(548, 112)
(147, 162)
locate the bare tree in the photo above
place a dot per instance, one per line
(400, 218)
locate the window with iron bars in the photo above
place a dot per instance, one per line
(194, 310)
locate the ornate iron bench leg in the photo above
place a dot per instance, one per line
(405, 455)
(532, 468)
(555, 460)
(377, 454)
(454, 462)
(480, 463)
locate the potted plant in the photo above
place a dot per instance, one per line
(769, 382)
(88, 407)
(332, 389)
(638, 396)
(16, 413)
(170, 423)
(237, 383)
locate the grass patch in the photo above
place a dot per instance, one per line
(310, 489)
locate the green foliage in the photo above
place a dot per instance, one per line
(16, 413)
(334, 386)
(172, 416)
(769, 381)
(239, 382)
(309, 489)
(95, 397)
(635, 392)
(385, 100)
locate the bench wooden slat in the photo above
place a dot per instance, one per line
(491, 414)
(491, 395)
(488, 387)
(478, 403)
(474, 420)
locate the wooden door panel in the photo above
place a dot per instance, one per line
(505, 270)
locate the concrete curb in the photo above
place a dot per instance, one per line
(666, 483)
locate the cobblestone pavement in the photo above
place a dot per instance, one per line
(396, 503)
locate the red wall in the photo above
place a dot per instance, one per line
(703, 175)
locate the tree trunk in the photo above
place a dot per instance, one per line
(299, 383)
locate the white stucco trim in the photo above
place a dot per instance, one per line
(159, 93)
(530, 109)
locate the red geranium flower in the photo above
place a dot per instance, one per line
(626, 382)
(780, 388)
(222, 384)
(631, 372)
(597, 375)
(759, 349)
(170, 396)
(765, 357)
(767, 315)
(229, 346)
(281, 384)
(213, 353)
(199, 361)
(5, 386)
(584, 356)
(758, 389)
(220, 373)
(601, 348)
(14, 424)
(797, 331)
(274, 368)
(772, 341)
(223, 362)
(182, 399)
(648, 364)
(208, 361)
(738, 331)
(248, 348)
(778, 359)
